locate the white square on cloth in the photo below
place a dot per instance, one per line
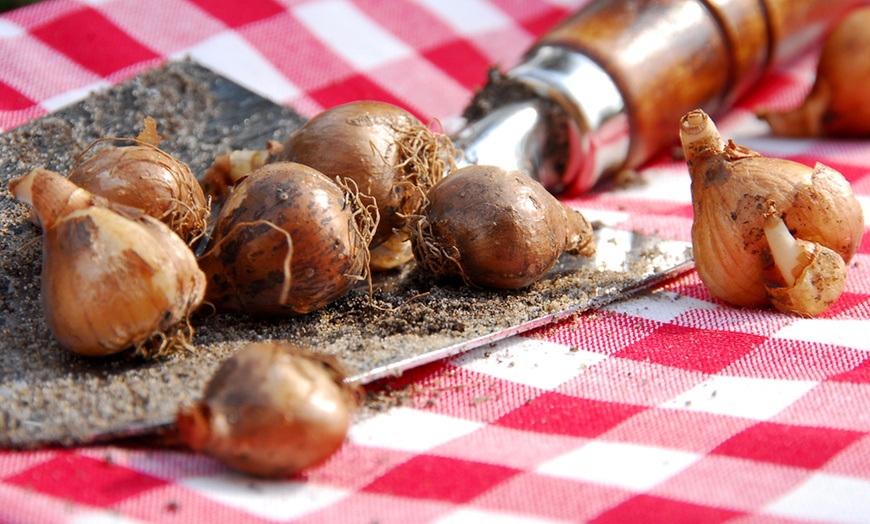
(476, 516)
(232, 56)
(532, 362)
(9, 29)
(407, 429)
(341, 25)
(828, 498)
(849, 333)
(634, 467)
(668, 183)
(744, 397)
(72, 96)
(280, 500)
(660, 306)
(469, 16)
(101, 517)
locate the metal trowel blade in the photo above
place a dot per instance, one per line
(49, 396)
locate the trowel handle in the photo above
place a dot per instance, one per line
(667, 57)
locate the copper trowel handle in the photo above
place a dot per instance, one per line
(671, 56)
(625, 71)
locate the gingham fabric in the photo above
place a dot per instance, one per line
(668, 407)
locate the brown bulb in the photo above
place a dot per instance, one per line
(732, 187)
(112, 278)
(271, 410)
(496, 228)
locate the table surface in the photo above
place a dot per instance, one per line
(670, 406)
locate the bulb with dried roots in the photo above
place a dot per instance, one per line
(145, 177)
(288, 241)
(495, 228)
(386, 151)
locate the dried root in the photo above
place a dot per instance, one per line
(433, 255)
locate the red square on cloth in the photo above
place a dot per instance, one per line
(544, 21)
(88, 38)
(85, 480)
(565, 415)
(12, 100)
(356, 87)
(236, 14)
(440, 478)
(860, 374)
(651, 510)
(707, 351)
(549, 497)
(800, 446)
(466, 71)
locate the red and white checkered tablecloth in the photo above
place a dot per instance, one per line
(667, 407)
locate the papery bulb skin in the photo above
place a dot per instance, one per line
(147, 178)
(825, 211)
(731, 185)
(51, 195)
(110, 280)
(817, 287)
(803, 278)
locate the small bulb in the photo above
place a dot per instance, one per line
(271, 410)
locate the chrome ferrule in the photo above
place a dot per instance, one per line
(570, 133)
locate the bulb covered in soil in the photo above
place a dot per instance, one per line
(288, 241)
(386, 151)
